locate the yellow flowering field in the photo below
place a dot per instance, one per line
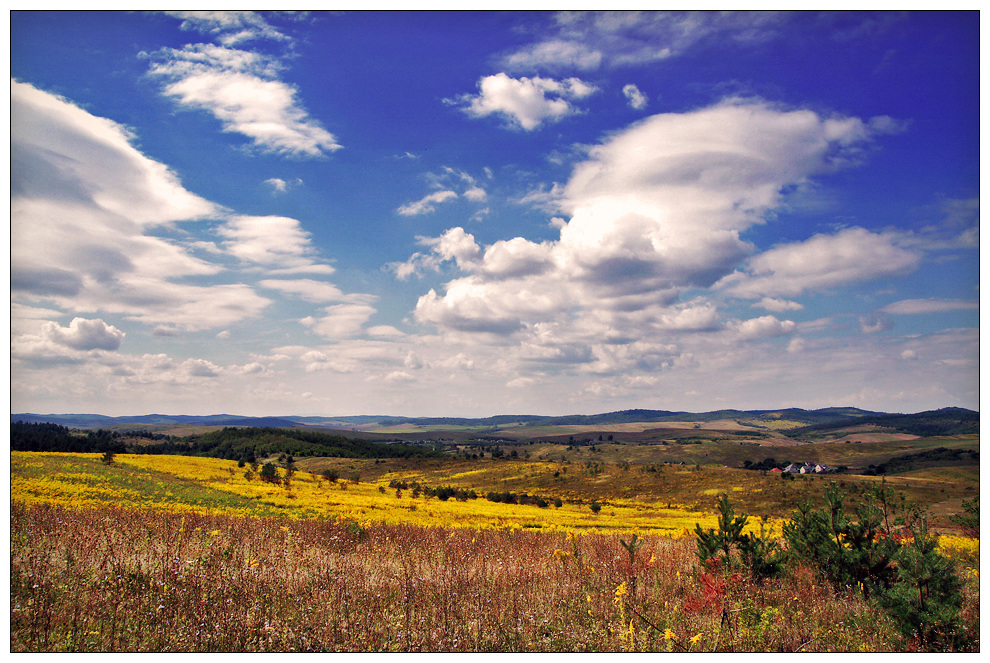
(219, 487)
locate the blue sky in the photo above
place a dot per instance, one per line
(478, 213)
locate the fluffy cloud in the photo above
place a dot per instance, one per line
(241, 89)
(653, 212)
(455, 244)
(525, 102)
(821, 263)
(637, 99)
(82, 334)
(660, 207)
(764, 327)
(84, 207)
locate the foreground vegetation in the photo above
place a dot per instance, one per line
(127, 580)
(170, 553)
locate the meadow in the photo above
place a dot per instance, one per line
(174, 553)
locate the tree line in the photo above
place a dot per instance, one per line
(228, 443)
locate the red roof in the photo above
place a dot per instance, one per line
(776, 469)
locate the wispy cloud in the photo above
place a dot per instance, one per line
(229, 27)
(426, 204)
(84, 236)
(588, 41)
(276, 243)
(930, 305)
(241, 88)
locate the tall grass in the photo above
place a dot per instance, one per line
(135, 580)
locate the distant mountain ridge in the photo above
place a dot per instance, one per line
(943, 421)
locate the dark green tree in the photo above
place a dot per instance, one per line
(269, 473)
(927, 598)
(727, 547)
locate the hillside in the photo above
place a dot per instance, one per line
(945, 421)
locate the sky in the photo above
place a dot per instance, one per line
(480, 213)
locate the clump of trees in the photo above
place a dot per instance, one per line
(883, 550)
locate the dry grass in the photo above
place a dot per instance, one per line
(116, 580)
(205, 560)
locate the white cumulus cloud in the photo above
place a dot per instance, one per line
(525, 102)
(82, 334)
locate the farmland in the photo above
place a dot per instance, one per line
(499, 542)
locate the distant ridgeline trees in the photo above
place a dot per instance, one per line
(228, 443)
(946, 421)
(52, 437)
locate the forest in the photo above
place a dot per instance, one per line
(228, 443)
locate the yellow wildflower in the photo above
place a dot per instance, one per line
(215, 532)
(669, 635)
(696, 639)
(620, 591)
